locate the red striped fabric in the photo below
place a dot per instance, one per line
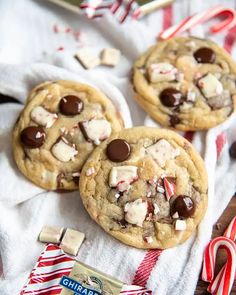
(221, 140)
(144, 270)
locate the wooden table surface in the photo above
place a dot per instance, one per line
(218, 230)
(223, 221)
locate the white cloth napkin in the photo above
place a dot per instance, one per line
(26, 36)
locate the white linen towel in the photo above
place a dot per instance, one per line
(25, 208)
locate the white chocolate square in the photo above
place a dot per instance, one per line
(50, 234)
(72, 241)
(122, 174)
(42, 117)
(135, 212)
(63, 151)
(110, 57)
(180, 224)
(87, 58)
(160, 72)
(162, 151)
(210, 86)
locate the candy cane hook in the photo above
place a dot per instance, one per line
(202, 17)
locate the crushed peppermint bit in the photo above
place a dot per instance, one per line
(149, 194)
(76, 174)
(148, 240)
(61, 48)
(38, 135)
(198, 76)
(117, 196)
(68, 30)
(153, 181)
(160, 189)
(123, 186)
(49, 96)
(175, 215)
(65, 140)
(156, 209)
(191, 96)
(55, 28)
(90, 171)
(179, 76)
(191, 44)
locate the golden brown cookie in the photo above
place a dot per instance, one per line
(145, 186)
(60, 126)
(186, 83)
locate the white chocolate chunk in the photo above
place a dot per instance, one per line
(162, 72)
(72, 241)
(210, 86)
(50, 234)
(122, 174)
(110, 57)
(162, 151)
(42, 117)
(135, 212)
(156, 209)
(180, 224)
(63, 152)
(97, 130)
(87, 58)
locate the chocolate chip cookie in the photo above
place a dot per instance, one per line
(186, 83)
(145, 186)
(60, 126)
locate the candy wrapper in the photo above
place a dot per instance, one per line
(121, 9)
(58, 273)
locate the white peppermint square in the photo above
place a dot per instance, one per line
(162, 151)
(43, 117)
(160, 72)
(135, 212)
(122, 174)
(63, 151)
(96, 130)
(88, 58)
(110, 57)
(210, 86)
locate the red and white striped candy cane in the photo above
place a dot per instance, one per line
(202, 17)
(231, 230)
(223, 282)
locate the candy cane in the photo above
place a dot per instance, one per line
(231, 230)
(202, 17)
(223, 282)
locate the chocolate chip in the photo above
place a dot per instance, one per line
(232, 150)
(32, 137)
(71, 105)
(118, 150)
(184, 205)
(205, 55)
(123, 223)
(171, 97)
(174, 120)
